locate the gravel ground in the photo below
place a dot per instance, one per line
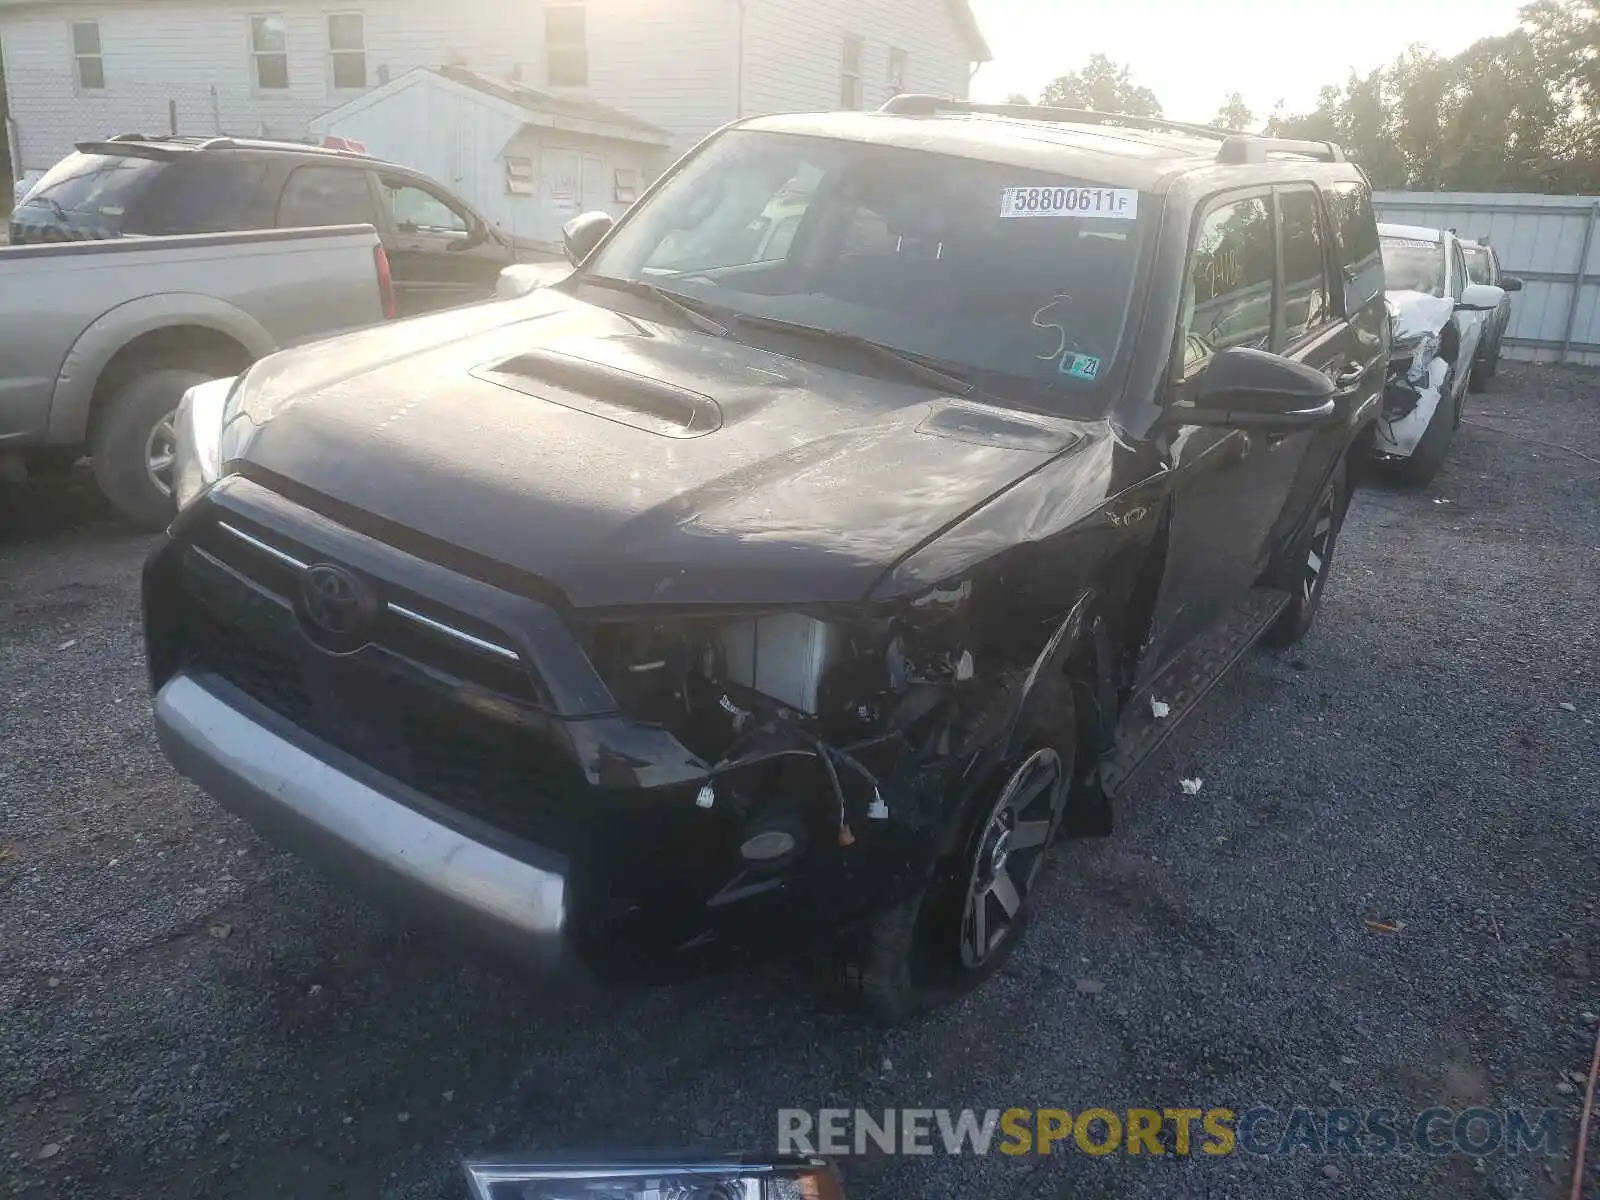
(184, 1012)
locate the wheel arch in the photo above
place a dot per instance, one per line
(151, 329)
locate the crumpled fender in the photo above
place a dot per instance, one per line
(1400, 435)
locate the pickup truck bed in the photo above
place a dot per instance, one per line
(104, 337)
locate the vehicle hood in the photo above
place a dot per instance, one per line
(624, 462)
(1413, 314)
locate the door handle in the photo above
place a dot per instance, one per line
(1350, 377)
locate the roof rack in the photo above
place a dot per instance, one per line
(1235, 147)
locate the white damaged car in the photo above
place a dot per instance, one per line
(1436, 317)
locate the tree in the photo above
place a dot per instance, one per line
(1102, 86)
(1234, 114)
(1516, 112)
(1017, 98)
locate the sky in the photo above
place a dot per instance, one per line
(1192, 53)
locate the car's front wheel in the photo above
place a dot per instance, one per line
(955, 931)
(133, 444)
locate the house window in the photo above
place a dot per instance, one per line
(347, 46)
(91, 68)
(566, 43)
(519, 176)
(897, 71)
(625, 185)
(269, 47)
(850, 73)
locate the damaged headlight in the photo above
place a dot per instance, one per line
(1411, 355)
(844, 675)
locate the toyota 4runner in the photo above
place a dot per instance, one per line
(795, 572)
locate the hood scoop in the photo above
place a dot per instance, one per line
(606, 391)
(1002, 428)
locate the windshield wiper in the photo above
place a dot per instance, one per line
(913, 365)
(682, 305)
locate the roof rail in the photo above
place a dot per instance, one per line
(1235, 148)
(1252, 148)
(911, 104)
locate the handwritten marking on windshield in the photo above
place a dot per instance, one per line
(1061, 330)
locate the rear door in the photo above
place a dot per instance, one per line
(440, 253)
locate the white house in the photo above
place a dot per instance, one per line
(75, 70)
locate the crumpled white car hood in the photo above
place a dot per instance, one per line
(1415, 313)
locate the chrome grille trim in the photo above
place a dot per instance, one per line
(266, 548)
(450, 631)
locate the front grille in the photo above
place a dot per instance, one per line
(458, 724)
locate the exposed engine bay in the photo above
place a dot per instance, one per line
(869, 700)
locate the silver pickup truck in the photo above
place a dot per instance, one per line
(99, 340)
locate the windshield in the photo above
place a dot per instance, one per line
(1479, 269)
(1023, 276)
(97, 188)
(1414, 265)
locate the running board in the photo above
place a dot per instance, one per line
(1185, 683)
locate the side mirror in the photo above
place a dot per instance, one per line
(583, 234)
(640, 1178)
(1252, 389)
(1510, 283)
(1479, 297)
(476, 236)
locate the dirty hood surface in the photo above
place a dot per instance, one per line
(625, 462)
(1412, 314)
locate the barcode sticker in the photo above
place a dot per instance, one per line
(1120, 204)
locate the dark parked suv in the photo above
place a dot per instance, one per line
(866, 507)
(441, 251)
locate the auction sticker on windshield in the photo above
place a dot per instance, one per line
(1120, 204)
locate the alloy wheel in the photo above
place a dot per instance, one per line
(159, 450)
(1008, 853)
(1321, 548)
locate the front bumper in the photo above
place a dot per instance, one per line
(1408, 408)
(353, 822)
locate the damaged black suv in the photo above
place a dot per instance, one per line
(798, 570)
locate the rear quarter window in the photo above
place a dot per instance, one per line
(93, 192)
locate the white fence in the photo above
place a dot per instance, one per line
(1550, 242)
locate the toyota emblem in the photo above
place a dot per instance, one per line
(335, 602)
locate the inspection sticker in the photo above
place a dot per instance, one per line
(1080, 366)
(1120, 204)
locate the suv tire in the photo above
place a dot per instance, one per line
(124, 438)
(929, 948)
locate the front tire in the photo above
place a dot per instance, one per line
(956, 930)
(132, 444)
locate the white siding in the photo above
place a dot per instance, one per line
(199, 57)
(671, 62)
(794, 51)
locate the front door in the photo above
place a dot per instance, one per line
(440, 255)
(1230, 487)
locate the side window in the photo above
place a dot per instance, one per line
(416, 210)
(326, 196)
(1307, 303)
(212, 194)
(1227, 295)
(1356, 228)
